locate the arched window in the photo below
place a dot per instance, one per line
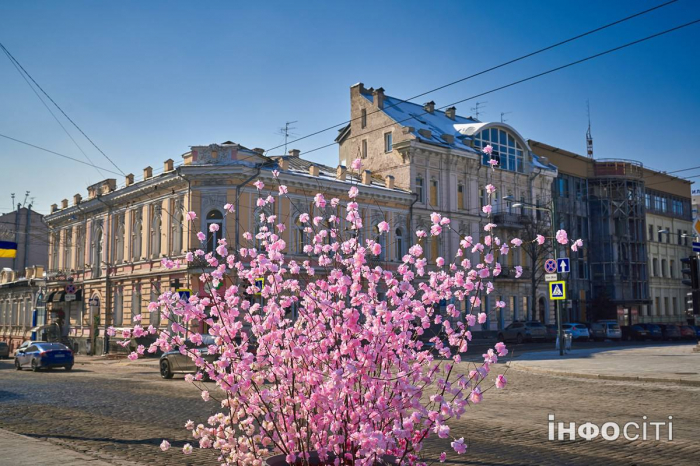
(156, 224)
(136, 233)
(400, 244)
(119, 239)
(118, 299)
(67, 248)
(214, 217)
(506, 149)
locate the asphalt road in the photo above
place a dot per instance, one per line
(120, 414)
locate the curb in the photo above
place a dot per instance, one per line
(619, 378)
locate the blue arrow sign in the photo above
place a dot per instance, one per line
(696, 246)
(563, 265)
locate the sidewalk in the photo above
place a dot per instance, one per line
(657, 363)
(19, 450)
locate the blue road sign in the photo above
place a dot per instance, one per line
(259, 284)
(184, 293)
(696, 246)
(550, 266)
(563, 265)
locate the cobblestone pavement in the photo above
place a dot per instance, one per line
(119, 414)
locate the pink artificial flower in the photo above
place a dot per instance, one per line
(205, 395)
(283, 190)
(443, 431)
(459, 446)
(189, 257)
(435, 217)
(187, 449)
(111, 331)
(500, 348)
(165, 445)
(191, 216)
(487, 209)
(493, 162)
(133, 356)
(577, 244)
(229, 208)
(356, 164)
(353, 192)
(482, 318)
(443, 457)
(500, 304)
(488, 149)
(319, 200)
(490, 188)
(476, 396)
(516, 242)
(214, 227)
(562, 237)
(201, 236)
(440, 262)
(383, 227)
(501, 381)
(275, 173)
(376, 249)
(259, 184)
(518, 271)
(540, 240)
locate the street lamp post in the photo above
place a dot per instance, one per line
(552, 212)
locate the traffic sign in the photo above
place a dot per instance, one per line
(550, 277)
(696, 246)
(557, 290)
(70, 289)
(184, 293)
(69, 297)
(259, 283)
(550, 266)
(563, 265)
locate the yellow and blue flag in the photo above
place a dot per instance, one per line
(8, 249)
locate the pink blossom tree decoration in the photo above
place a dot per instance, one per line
(350, 379)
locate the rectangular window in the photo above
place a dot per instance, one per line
(651, 233)
(672, 266)
(388, 142)
(680, 238)
(364, 118)
(433, 192)
(364, 148)
(420, 189)
(460, 197)
(647, 201)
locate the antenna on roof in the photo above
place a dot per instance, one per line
(589, 137)
(26, 195)
(477, 109)
(503, 120)
(286, 132)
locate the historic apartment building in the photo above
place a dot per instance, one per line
(436, 155)
(108, 247)
(21, 304)
(25, 227)
(636, 221)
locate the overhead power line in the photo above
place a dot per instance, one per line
(520, 81)
(60, 155)
(14, 60)
(488, 70)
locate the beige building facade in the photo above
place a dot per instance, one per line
(437, 156)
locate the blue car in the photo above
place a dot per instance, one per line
(655, 332)
(42, 355)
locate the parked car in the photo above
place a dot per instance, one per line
(596, 332)
(602, 330)
(552, 332)
(522, 331)
(4, 350)
(24, 345)
(671, 331)
(634, 332)
(577, 331)
(697, 331)
(688, 332)
(654, 330)
(42, 355)
(173, 362)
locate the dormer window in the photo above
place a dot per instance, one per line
(506, 149)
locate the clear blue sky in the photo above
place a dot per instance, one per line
(145, 80)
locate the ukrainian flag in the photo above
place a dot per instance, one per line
(8, 249)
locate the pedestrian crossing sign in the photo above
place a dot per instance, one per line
(557, 290)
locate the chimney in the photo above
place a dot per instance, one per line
(169, 165)
(389, 181)
(283, 163)
(366, 177)
(77, 198)
(54, 208)
(426, 133)
(38, 271)
(313, 170)
(109, 185)
(92, 192)
(64, 203)
(29, 272)
(129, 180)
(341, 172)
(448, 138)
(450, 113)
(379, 97)
(294, 153)
(429, 107)
(147, 173)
